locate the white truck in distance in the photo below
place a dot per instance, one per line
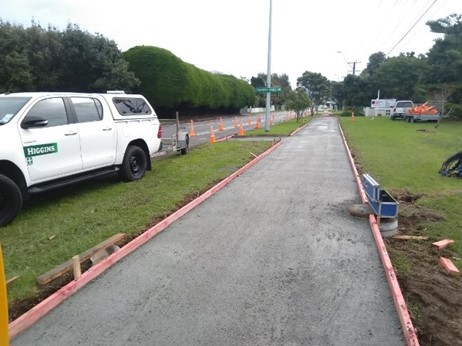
(49, 140)
(400, 108)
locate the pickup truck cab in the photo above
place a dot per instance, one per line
(49, 140)
(400, 108)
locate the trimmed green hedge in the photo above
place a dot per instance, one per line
(171, 84)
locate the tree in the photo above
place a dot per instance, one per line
(92, 63)
(337, 93)
(375, 60)
(353, 91)
(316, 86)
(451, 25)
(298, 101)
(445, 57)
(398, 77)
(38, 59)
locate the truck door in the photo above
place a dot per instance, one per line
(52, 149)
(97, 131)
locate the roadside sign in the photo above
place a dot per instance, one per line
(263, 90)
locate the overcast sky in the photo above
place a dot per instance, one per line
(232, 36)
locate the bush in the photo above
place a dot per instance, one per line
(347, 113)
(171, 84)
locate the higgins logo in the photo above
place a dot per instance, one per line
(44, 149)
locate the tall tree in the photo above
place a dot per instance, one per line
(398, 77)
(375, 60)
(316, 86)
(445, 58)
(39, 59)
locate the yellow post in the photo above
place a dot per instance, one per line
(3, 304)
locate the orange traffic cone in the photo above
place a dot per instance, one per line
(192, 133)
(271, 121)
(220, 125)
(235, 122)
(249, 120)
(257, 123)
(212, 134)
(352, 116)
(241, 131)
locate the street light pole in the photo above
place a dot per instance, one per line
(268, 73)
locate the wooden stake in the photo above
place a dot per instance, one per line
(67, 266)
(76, 267)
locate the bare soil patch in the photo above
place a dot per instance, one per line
(433, 297)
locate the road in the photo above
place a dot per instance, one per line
(203, 127)
(273, 258)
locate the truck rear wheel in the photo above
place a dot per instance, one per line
(134, 164)
(10, 200)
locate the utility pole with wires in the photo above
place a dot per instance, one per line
(350, 63)
(353, 63)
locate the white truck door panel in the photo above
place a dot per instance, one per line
(97, 132)
(53, 150)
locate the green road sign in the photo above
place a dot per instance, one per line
(262, 90)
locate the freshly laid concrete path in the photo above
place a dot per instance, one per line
(274, 258)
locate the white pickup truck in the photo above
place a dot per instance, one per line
(400, 108)
(49, 140)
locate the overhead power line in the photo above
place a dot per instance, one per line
(412, 27)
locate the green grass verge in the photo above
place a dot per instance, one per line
(405, 156)
(281, 129)
(56, 226)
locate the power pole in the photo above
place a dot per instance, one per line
(354, 65)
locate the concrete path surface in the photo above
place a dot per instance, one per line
(273, 258)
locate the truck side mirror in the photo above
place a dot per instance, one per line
(34, 121)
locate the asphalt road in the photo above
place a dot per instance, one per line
(273, 258)
(203, 126)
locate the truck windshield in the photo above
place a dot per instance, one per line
(10, 106)
(404, 104)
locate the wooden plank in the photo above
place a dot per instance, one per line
(442, 244)
(67, 266)
(410, 237)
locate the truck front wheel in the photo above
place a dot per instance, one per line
(10, 200)
(134, 164)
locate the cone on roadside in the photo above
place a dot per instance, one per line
(257, 123)
(212, 134)
(235, 122)
(271, 121)
(241, 130)
(352, 116)
(249, 120)
(192, 132)
(220, 125)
